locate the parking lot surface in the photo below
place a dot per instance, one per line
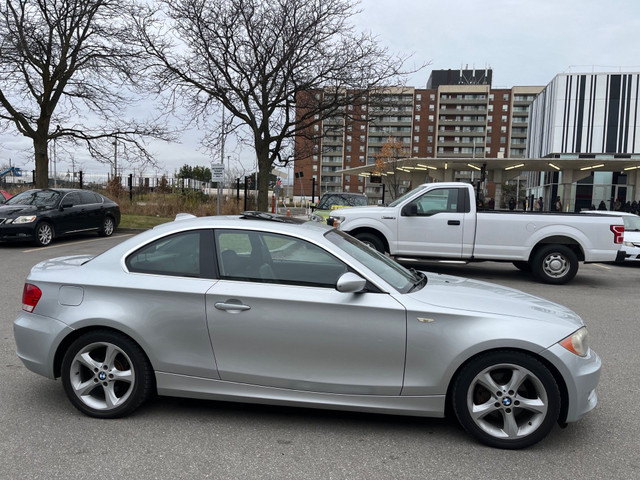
(43, 436)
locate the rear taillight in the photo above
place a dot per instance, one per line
(618, 233)
(30, 297)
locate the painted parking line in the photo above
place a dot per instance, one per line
(77, 243)
(601, 266)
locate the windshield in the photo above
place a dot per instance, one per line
(406, 195)
(341, 200)
(631, 224)
(38, 198)
(391, 272)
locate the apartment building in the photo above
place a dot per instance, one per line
(457, 115)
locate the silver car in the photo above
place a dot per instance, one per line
(260, 309)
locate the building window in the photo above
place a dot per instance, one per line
(417, 118)
(315, 168)
(429, 138)
(418, 106)
(361, 158)
(363, 117)
(316, 128)
(490, 118)
(418, 96)
(415, 149)
(429, 149)
(416, 138)
(505, 97)
(362, 148)
(362, 127)
(416, 128)
(503, 129)
(430, 128)
(503, 139)
(491, 107)
(315, 158)
(431, 118)
(362, 138)
(348, 148)
(317, 116)
(348, 138)
(489, 128)
(505, 107)
(432, 107)
(432, 96)
(348, 158)
(363, 108)
(504, 118)
(487, 150)
(491, 97)
(349, 128)
(350, 107)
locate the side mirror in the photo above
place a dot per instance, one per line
(410, 210)
(350, 283)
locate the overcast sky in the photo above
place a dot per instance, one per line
(524, 42)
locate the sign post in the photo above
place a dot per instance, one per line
(217, 175)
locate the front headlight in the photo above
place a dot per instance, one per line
(577, 342)
(337, 221)
(23, 219)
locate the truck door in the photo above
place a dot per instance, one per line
(433, 224)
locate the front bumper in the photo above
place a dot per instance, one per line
(25, 231)
(37, 339)
(581, 376)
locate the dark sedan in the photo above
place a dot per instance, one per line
(42, 215)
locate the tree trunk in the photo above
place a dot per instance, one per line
(42, 161)
(264, 168)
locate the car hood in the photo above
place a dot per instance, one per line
(483, 297)
(357, 211)
(15, 210)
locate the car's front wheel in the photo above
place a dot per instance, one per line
(106, 375)
(44, 234)
(506, 399)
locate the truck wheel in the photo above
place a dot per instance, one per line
(371, 240)
(555, 264)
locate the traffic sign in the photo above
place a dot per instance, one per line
(217, 172)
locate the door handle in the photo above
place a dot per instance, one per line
(230, 307)
(453, 222)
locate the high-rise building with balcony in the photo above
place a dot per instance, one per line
(457, 115)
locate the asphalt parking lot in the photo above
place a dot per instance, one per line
(43, 436)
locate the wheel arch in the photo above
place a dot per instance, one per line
(557, 376)
(371, 231)
(567, 241)
(73, 336)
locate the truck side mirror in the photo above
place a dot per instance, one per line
(410, 210)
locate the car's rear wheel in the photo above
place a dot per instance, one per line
(108, 226)
(506, 399)
(371, 240)
(106, 375)
(555, 264)
(44, 234)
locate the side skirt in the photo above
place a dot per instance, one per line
(174, 385)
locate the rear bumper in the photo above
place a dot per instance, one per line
(37, 339)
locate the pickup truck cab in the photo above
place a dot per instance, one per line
(439, 221)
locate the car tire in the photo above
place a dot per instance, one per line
(523, 266)
(107, 228)
(106, 375)
(555, 264)
(506, 399)
(43, 234)
(371, 240)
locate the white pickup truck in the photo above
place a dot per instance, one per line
(439, 221)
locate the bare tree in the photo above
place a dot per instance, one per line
(387, 165)
(61, 59)
(276, 66)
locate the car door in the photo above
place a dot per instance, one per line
(92, 210)
(70, 218)
(276, 320)
(436, 226)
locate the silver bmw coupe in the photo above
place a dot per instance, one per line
(260, 308)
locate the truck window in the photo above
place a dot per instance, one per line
(439, 200)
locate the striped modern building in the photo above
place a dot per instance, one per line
(579, 117)
(586, 114)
